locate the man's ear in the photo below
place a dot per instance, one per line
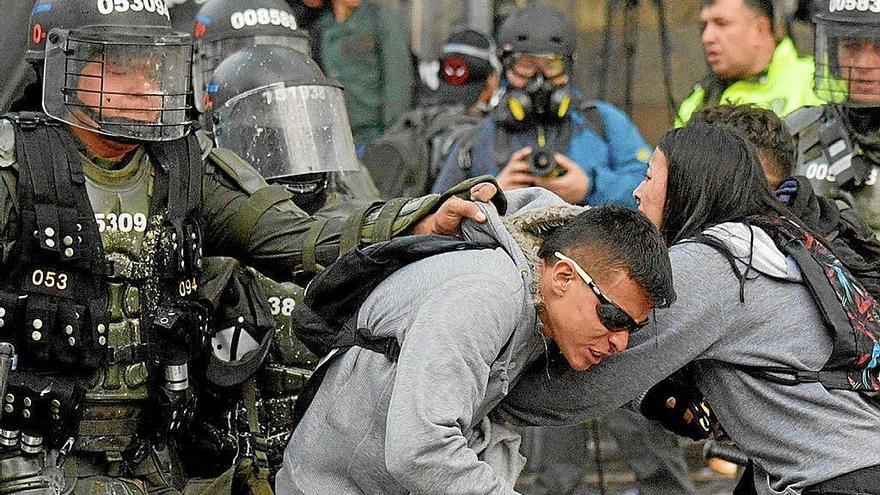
(765, 25)
(561, 274)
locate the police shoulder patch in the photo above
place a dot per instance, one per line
(7, 144)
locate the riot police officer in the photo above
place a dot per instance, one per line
(273, 107)
(838, 144)
(107, 207)
(221, 29)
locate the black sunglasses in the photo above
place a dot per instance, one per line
(611, 315)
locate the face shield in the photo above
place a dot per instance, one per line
(209, 54)
(127, 85)
(848, 63)
(288, 131)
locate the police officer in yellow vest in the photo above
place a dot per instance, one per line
(751, 60)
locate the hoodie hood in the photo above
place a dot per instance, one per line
(531, 213)
(751, 245)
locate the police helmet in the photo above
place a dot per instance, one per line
(847, 52)
(538, 30)
(274, 107)
(116, 68)
(222, 27)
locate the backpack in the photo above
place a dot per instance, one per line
(326, 320)
(402, 160)
(849, 311)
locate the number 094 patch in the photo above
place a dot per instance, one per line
(107, 7)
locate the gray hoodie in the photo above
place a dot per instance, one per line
(467, 326)
(797, 435)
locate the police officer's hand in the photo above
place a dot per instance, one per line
(447, 220)
(573, 186)
(515, 175)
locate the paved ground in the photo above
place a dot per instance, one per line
(619, 479)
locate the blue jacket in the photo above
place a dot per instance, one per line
(615, 167)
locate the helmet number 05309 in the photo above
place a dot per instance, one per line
(107, 7)
(860, 5)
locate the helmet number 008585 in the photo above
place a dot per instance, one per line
(263, 17)
(107, 7)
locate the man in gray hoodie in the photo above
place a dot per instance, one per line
(468, 323)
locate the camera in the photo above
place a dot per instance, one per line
(543, 164)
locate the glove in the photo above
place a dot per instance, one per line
(680, 408)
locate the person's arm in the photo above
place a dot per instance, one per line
(627, 160)
(557, 395)
(259, 225)
(441, 380)
(397, 70)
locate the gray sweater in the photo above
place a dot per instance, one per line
(797, 435)
(467, 327)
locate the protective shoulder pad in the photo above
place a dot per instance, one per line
(803, 118)
(206, 144)
(7, 144)
(237, 170)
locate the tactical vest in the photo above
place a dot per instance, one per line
(833, 162)
(94, 318)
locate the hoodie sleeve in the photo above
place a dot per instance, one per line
(441, 380)
(558, 395)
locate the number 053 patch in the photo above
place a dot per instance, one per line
(49, 281)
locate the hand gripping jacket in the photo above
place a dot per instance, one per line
(71, 307)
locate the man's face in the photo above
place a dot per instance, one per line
(571, 313)
(651, 193)
(731, 31)
(860, 65)
(121, 91)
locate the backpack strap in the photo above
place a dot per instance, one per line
(593, 119)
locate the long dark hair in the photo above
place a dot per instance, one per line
(714, 177)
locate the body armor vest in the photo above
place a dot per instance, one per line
(99, 296)
(834, 163)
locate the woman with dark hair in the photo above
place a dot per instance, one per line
(741, 303)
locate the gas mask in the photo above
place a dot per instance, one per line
(539, 100)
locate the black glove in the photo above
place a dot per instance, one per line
(680, 408)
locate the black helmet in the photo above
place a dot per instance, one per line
(222, 27)
(539, 30)
(116, 68)
(848, 53)
(273, 107)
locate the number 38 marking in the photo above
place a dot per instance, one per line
(282, 306)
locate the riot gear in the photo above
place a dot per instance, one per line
(222, 27)
(848, 53)
(273, 107)
(538, 30)
(118, 72)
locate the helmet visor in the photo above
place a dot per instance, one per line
(119, 84)
(209, 54)
(288, 131)
(848, 63)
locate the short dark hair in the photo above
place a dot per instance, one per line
(714, 177)
(612, 238)
(762, 7)
(762, 127)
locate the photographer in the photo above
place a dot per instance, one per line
(543, 133)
